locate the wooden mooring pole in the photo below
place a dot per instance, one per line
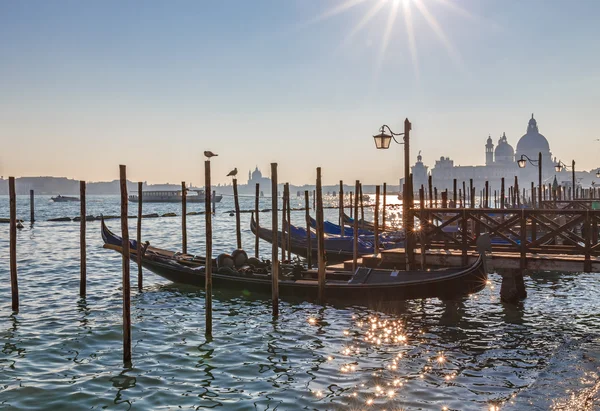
(139, 237)
(383, 212)
(183, 218)
(289, 223)
(238, 231)
(82, 244)
(275, 245)
(31, 207)
(351, 204)
(376, 221)
(341, 206)
(355, 231)
(307, 218)
(208, 263)
(214, 203)
(362, 208)
(284, 229)
(256, 212)
(125, 252)
(14, 287)
(320, 239)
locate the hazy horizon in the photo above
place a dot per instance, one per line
(89, 86)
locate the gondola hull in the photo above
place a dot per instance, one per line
(369, 286)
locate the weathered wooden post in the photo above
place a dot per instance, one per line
(139, 237)
(256, 212)
(362, 208)
(444, 199)
(435, 197)
(460, 196)
(289, 222)
(14, 287)
(472, 193)
(307, 218)
(533, 201)
(125, 251)
(31, 207)
(238, 231)
(351, 204)
(314, 199)
(376, 221)
(430, 183)
(320, 239)
(214, 203)
(341, 206)
(487, 194)
(208, 263)
(384, 205)
(284, 230)
(355, 230)
(454, 194)
(464, 193)
(82, 243)
(275, 245)
(183, 218)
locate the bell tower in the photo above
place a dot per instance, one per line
(489, 152)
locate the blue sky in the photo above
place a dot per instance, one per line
(86, 86)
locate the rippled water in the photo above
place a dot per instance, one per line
(63, 352)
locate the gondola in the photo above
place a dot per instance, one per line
(337, 249)
(366, 225)
(389, 237)
(371, 286)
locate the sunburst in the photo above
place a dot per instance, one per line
(393, 8)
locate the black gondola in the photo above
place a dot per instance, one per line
(366, 285)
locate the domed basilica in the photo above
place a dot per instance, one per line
(500, 162)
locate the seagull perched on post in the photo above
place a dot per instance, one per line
(210, 154)
(232, 173)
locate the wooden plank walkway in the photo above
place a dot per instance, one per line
(499, 260)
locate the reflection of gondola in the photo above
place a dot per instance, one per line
(366, 285)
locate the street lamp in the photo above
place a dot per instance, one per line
(382, 142)
(522, 162)
(560, 166)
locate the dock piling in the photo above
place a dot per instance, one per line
(307, 218)
(183, 218)
(384, 205)
(320, 239)
(14, 287)
(238, 231)
(31, 207)
(82, 243)
(139, 237)
(208, 257)
(355, 231)
(275, 245)
(376, 221)
(341, 207)
(125, 279)
(256, 212)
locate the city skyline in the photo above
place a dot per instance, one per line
(302, 84)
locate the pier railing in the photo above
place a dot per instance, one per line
(522, 231)
(583, 204)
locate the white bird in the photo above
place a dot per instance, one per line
(232, 173)
(210, 154)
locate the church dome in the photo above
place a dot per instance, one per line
(504, 151)
(533, 142)
(256, 174)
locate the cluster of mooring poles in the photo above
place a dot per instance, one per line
(504, 217)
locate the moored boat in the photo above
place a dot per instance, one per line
(63, 199)
(365, 285)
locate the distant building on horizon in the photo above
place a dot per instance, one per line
(500, 162)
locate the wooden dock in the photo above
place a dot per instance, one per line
(396, 258)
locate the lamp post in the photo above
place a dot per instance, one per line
(523, 162)
(560, 166)
(382, 142)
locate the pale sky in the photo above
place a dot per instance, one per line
(85, 86)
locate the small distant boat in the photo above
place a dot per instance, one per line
(173, 196)
(63, 199)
